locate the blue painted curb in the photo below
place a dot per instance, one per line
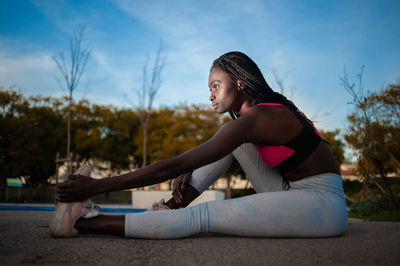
(51, 209)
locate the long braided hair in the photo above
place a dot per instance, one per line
(239, 66)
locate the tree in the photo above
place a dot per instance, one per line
(71, 69)
(30, 135)
(336, 144)
(13, 105)
(104, 134)
(280, 82)
(118, 129)
(174, 130)
(147, 94)
(374, 130)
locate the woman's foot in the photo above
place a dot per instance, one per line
(189, 194)
(63, 222)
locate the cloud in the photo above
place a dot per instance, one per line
(32, 71)
(63, 14)
(121, 76)
(195, 34)
(308, 44)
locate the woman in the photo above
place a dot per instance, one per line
(299, 188)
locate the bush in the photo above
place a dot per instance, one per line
(380, 209)
(352, 187)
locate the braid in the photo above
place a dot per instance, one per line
(239, 66)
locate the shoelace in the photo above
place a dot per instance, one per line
(159, 205)
(93, 210)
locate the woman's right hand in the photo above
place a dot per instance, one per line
(76, 188)
(179, 185)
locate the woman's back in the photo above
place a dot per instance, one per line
(277, 126)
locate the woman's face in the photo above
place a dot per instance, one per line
(224, 93)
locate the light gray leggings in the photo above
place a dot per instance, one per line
(312, 207)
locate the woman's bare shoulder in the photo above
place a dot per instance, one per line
(272, 125)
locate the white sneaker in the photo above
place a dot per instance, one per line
(63, 222)
(159, 206)
(93, 210)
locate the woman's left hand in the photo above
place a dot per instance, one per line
(76, 188)
(179, 186)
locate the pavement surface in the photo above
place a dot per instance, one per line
(25, 239)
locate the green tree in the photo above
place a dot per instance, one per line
(119, 129)
(374, 131)
(13, 106)
(31, 133)
(336, 144)
(175, 130)
(192, 126)
(104, 133)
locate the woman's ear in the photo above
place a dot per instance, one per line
(239, 85)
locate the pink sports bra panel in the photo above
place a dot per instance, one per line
(274, 155)
(319, 134)
(272, 104)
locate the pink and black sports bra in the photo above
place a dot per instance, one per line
(289, 156)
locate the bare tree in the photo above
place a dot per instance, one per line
(374, 151)
(71, 68)
(280, 81)
(146, 95)
(360, 100)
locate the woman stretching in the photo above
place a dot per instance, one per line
(291, 167)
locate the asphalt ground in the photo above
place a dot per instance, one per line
(25, 239)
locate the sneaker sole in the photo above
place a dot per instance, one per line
(56, 221)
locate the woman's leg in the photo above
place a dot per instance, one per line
(263, 177)
(72, 218)
(202, 178)
(314, 207)
(205, 176)
(102, 224)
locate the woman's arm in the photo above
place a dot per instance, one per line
(228, 138)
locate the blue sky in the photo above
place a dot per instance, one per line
(306, 42)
